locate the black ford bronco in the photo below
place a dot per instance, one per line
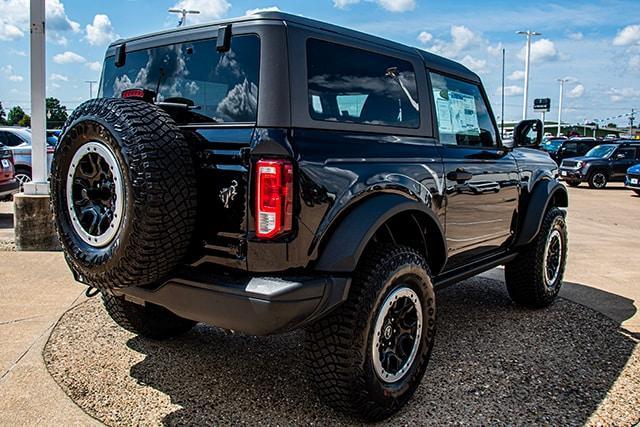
(272, 172)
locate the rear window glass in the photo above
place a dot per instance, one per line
(222, 87)
(357, 86)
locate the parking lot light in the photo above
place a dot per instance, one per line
(527, 60)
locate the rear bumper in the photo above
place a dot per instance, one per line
(8, 188)
(253, 305)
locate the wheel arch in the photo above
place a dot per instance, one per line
(547, 193)
(383, 218)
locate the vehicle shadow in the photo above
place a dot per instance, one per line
(493, 363)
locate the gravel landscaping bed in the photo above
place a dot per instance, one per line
(493, 363)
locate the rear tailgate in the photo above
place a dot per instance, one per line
(223, 183)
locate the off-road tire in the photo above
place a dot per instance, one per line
(338, 348)
(159, 183)
(594, 182)
(151, 321)
(524, 276)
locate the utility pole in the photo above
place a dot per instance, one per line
(502, 113)
(527, 61)
(91, 83)
(183, 13)
(632, 118)
(562, 82)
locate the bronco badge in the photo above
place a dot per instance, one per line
(229, 194)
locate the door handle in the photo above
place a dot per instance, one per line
(459, 175)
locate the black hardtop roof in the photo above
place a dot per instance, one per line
(435, 61)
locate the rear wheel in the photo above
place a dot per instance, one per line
(23, 175)
(598, 180)
(368, 356)
(150, 320)
(534, 277)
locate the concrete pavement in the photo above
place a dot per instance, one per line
(36, 288)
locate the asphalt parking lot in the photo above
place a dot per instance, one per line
(493, 362)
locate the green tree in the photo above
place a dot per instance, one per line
(25, 121)
(3, 115)
(15, 115)
(56, 113)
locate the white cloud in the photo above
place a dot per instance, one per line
(576, 92)
(58, 77)
(262, 9)
(69, 57)
(541, 51)
(510, 91)
(8, 71)
(18, 52)
(100, 32)
(618, 95)
(634, 63)
(94, 66)
(425, 37)
(14, 20)
(627, 36)
(209, 9)
(516, 75)
(495, 50)
(461, 38)
(577, 36)
(398, 5)
(390, 5)
(474, 64)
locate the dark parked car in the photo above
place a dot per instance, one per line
(19, 141)
(272, 172)
(603, 163)
(632, 179)
(8, 183)
(567, 148)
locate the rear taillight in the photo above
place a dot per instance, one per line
(274, 197)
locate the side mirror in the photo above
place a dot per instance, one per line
(620, 156)
(528, 133)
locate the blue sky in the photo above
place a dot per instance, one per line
(596, 44)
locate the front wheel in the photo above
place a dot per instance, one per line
(368, 356)
(534, 277)
(598, 180)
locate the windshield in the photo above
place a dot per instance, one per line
(220, 87)
(601, 151)
(552, 144)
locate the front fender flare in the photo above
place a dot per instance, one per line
(349, 239)
(541, 196)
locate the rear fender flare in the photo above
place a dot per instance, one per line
(349, 239)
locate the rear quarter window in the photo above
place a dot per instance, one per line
(222, 87)
(351, 85)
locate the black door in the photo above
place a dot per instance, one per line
(622, 159)
(481, 178)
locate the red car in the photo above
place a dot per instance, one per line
(9, 185)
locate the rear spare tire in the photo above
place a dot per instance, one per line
(123, 193)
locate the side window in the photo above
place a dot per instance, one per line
(571, 148)
(628, 153)
(463, 116)
(3, 138)
(352, 85)
(13, 140)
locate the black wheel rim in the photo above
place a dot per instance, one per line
(397, 334)
(95, 194)
(553, 258)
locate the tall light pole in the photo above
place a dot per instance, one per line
(527, 61)
(502, 112)
(183, 13)
(91, 83)
(562, 82)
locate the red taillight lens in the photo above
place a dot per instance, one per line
(133, 93)
(274, 197)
